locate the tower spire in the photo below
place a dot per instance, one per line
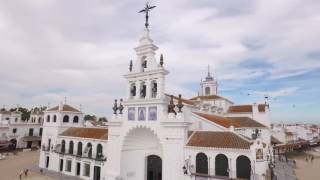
(209, 77)
(146, 10)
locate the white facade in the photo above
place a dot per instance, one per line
(147, 138)
(21, 134)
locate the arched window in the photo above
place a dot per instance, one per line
(75, 119)
(154, 89)
(143, 90)
(39, 120)
(65, 118)
(143, 63)
(49, 144)
(54, 118)
(201, 163)
(133, 90)
(99, 154)
(243, 167)
(48, 118)
(222, 165)
(63, 146)
(207, 91)
(89, 150)
(71, 147)
(79, 152)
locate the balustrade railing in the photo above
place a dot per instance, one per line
(99, 157)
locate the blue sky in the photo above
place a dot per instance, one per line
(80, 49)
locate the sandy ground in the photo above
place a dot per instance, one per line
(308, 170)
(14, 164)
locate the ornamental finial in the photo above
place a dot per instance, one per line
(146, 10)
(161, 60)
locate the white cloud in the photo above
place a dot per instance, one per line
(83, 48)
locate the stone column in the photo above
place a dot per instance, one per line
(138, 84)
(161, 85)
(233, 168)
(172, 153)
(148, 88)
(112, 167)
(129, 90)
(212, 165)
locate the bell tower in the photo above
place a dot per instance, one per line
(146, 77)
(209, 86)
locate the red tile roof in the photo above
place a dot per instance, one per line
(92, 133)
(222, 121)
(237, 122)
(65, 107)
(240, 109)
(247, 122)
(218, 140)
(246, 108)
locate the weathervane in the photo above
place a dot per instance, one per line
(146, 10)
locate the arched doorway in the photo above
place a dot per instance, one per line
(201, 163)
(154, 167)
(243, 167)
(141, 146)
(222, 165)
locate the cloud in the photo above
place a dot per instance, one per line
(278, 93)
(51, 49)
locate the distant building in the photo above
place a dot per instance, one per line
(294, 136)
(18, 133)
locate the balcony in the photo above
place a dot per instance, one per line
(98, 158)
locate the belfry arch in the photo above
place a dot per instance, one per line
(142, 146)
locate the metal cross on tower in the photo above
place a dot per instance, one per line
(146, 10)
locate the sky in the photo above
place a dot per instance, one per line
(80, 49)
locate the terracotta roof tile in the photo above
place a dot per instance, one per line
(190, 133)
(262, 107)
(246, 122)
(240, 109)
(218, 140)
(65, 107)
(222, 121)
(246, 108)
(93, 133)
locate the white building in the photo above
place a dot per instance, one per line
(154, 136)
(21, 133)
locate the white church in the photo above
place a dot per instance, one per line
(156, 136)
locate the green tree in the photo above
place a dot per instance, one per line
(90, 117)
(103, 119)
(25, 113)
